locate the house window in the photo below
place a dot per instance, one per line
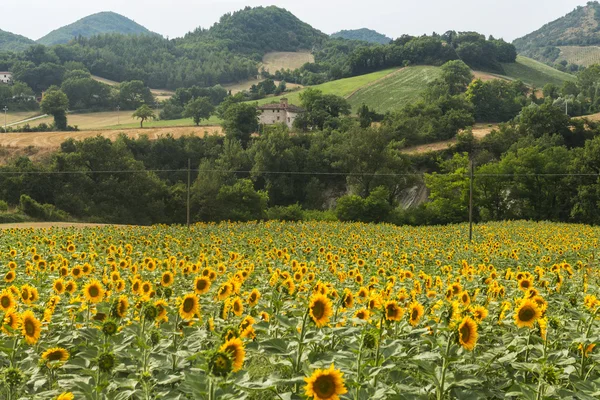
(289, 119)
(278, 118)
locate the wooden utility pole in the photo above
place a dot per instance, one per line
(188, 191)
(472, 177)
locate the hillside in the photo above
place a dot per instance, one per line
(12, 42)
(581, 27)
(364, 34)
(395, 90)
(96, 24)
(579, 55)
(259, 30)
(535, 73)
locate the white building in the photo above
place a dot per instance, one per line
(279, 113)
(5, 77)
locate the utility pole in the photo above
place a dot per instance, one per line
(188, 191)
(118, 115)
(472, 177)
(5, 110)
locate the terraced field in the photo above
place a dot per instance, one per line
(535, 73)
(580, 55)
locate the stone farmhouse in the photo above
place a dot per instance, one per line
(281, 113)
(5, 77)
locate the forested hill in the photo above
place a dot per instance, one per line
(96, 24)
(364, 34)
(581, 27)
(258, 30)
(11, 42)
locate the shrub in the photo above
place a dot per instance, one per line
(44, 212)
(289, 213)
(3, 205)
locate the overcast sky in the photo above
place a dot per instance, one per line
(509, 19)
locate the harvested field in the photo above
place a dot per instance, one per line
(13, 117)
(286, 60)
(159, 94)
(54, 139)
(479, 132)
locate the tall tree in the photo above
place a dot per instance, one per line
(144, 113)
(56, 103)
(199, 109)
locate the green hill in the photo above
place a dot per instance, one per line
(364, 34)
(12, 42)
(581, 27)
(395, 90)
(259, 30)
(96, 24)
(535, 73)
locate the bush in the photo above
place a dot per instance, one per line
(241, 202)
(375, 208)
(289, 213)
(350, 208)
(44, 212)
(318, 215)
(3, 205)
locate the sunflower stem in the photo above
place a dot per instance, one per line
(175, 341)
(441, 390)
(378, 352)
(360, 349)
(301, 345)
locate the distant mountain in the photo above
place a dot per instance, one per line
(259, 30)
(581, 27)
(364, 34)
(96, 24)
(12, 42)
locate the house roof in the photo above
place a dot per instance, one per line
(279, 106)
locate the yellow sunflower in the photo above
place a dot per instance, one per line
(59, 286)
(224, 291)
(11, 320)
(253, 298)
(10, 276)
(93, 291)
(527, 313)
(30, 327)
(189, 306)
(479, 313)
(235, 348)
(325, 384)
(65, 396)
(467, 333)
(122, 306)
(393, 312)
(362, 314)
(320, 310)
(415, 312)
(55, 354)
(201, 285)
(237, 306)
(7, 301)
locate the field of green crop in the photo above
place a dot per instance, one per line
(396, 90)
(580, 55)
(535, 73)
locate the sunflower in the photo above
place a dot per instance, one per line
(93, 291)
(465, 298)
(415, 312)
(65, 396)
(30, 327)
(59, 286)
(527, 313)
(320, 310)
(348, 299)
(7, 301)
(325, 384)
(201, 285)
(393, 312)
(71, 287)
(264, 316)
(56, 354)
(10, 276)
(11, 320)
(253, 298)
(237, 306)
(225, 291)
(362, 314)
(189, 306)
(235, 348)
(525, 284)
(479, 313)
(467, 333)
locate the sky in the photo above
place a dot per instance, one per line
(508, 19)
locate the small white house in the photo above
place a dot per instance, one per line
(5, 77)
(279, 113)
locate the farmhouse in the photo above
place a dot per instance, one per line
(281, 113)
(5, 77)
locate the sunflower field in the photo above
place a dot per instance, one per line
(313, 310)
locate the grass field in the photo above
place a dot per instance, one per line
(580, 55)
(276, 61)
(535, 73)
(119, 120)
(12, 117)
(274, 310)
(159, 94)
(395, 91)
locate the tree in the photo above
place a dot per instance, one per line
(144, 113)
(199, 109)
(320, 109)
(457, 76)
(240, 121)
(56, 103)
(133, 94)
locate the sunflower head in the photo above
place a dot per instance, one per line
(7, 301)
(55, 356)
(527, 313)
(235, 349)
(325, 384)
(220, 364)
(109, 327)
(106, 361)
(467, 333)
(393, 312)
(93, 291)
(415, 312)
(65, 396)
(320, 310)
(31, 327)
(189, 306)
